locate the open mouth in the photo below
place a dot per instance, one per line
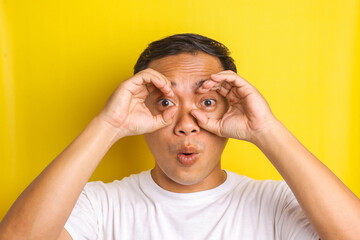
(187, 159)
(187, 155)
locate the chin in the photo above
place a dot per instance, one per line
(178, 177)
(187, 181)
(187, 177)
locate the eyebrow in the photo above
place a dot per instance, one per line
(196, 85)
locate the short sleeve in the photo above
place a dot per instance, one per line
(291, 222)
(83, 221)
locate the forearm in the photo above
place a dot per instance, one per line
(42, 209)
(331, 207)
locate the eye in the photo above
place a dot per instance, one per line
(208, 102)
(164, 103)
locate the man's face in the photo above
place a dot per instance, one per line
(187, 157)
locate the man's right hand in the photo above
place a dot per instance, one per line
(126, 114)
(126, 111)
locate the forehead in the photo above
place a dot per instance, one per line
(187, 68)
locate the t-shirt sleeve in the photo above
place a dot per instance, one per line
(83, 221)
(291, 222)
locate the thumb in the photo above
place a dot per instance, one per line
(164, 119)
(209, 124)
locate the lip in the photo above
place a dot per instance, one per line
(187, 160)
(189, 149)
(187, 156)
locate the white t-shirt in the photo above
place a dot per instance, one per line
(137, 208)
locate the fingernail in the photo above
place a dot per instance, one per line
(206, 83)
(193, 112)
(171, 93)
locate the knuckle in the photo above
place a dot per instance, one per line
(147, 72)
(163, 122)
(227, 72)
(153, 72)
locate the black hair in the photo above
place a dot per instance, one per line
(186, 42)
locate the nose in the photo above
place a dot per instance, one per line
(186, 124)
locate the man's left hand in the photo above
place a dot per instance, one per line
(248, 113)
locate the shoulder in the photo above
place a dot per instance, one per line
(98, 189)
(270, 198)
(244, 181)
(269, 190)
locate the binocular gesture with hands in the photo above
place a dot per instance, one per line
(248, 111)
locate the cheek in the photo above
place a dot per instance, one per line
(219, 142)
(215, 114)
(215, 144)
(219, 111)
(151, 105)
(218, 146)
(157, 140)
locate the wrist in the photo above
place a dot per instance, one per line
(113, 133)
(266, 134)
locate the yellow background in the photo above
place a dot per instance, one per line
(61, 60)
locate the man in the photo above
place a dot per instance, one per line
(188, 100)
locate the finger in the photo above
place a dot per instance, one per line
(240, 87)
(160, 83)
(230, 77)
(223, 88)
(150, 87)
(163, 78)
(209, 124)
(208, 85)
(226, 85)
(232, 97)
(214, 85)
(223, 91)
(164, 119)
(149, 76)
